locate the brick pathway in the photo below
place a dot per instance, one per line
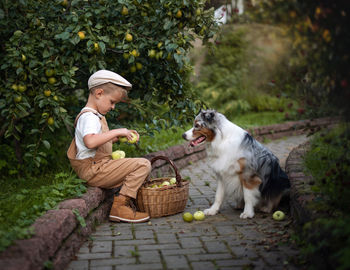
(223, 241)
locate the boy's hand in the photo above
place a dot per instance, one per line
(128, 133)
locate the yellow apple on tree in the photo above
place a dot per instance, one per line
(49, 72)
(128, 37)
(50, 121)
(47, 93)
(81, 35)
(22, 88)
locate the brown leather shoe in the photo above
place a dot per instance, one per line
(124, 210)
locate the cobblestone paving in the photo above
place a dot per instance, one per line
(223, 241)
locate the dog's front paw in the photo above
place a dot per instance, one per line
(246, 215)
(210, 211)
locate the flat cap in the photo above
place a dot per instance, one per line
(106, 76)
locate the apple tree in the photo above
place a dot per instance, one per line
(50, 48)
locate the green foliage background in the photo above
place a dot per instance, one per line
(43, 35)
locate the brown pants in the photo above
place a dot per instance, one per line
(129, 172)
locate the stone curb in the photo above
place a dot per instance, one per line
(59, 234)
(302, 196)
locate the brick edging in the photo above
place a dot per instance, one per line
(59, 234)
(300, 195)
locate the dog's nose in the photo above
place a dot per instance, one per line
(184, 136)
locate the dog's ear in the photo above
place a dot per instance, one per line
(209, 116)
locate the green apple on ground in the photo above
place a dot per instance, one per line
(172, 181)
(278, 215)
(118, 154)
(187, 217)
(199, 215)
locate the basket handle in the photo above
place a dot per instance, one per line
(177, 175)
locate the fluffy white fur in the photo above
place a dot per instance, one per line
(225, 147)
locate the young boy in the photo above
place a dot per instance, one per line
(91, 149)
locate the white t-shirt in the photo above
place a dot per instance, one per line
(88, 123)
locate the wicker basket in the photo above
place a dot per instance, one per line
(163, 201)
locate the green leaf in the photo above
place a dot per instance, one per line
(80, 219)
(63, 36)
(46, 144)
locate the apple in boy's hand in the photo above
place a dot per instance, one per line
(123, 139)
(118, 154)
(134, 138)
(278, 215)
(132, 141)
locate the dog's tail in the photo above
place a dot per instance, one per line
(274, 183)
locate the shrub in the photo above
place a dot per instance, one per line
(50, 49)
(320, 49)
(325, 240)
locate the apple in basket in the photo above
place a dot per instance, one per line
(165, 183)
(172, 181)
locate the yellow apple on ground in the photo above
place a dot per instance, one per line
(278, 215)
(199, 215)
(118, 154)
(172, 181)
(187, 217)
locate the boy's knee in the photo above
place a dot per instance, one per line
(146, 163)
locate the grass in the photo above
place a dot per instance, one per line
(255, 119)
(24, 200)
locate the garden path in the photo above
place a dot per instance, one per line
(223, 241)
